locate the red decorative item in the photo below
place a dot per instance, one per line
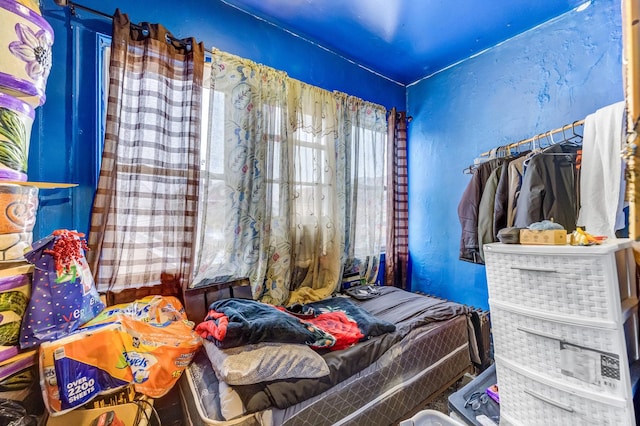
(107, 419)
(67, 249)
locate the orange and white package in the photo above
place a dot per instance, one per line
(157, 310)
(79, 367)
(159, 341)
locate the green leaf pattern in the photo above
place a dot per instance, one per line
(13, 140)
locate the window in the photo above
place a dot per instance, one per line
(230, 241)
(104, 53)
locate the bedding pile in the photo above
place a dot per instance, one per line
(334, 323)
(244, 344)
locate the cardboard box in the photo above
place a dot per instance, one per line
(547, 237)
(130, 414)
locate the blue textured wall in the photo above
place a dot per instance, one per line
(540, 80)
(63, 145)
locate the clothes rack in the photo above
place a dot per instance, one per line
(540, 136)
(546, 135)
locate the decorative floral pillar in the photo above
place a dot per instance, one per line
(25, 48)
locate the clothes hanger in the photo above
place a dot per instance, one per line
(533, 143)
(573, 129)
(544, 140)
(492, 154)
(504, 153)
(575, 138)
(515, 148)
(551, 142)
(564, 135)
(549, 138)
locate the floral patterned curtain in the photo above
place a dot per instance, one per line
(245, 218)
(278, 158)
(317, 193)
(144, 211)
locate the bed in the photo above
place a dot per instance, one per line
(376, 382)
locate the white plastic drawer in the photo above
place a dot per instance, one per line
(561, 284)
(526, 401)
(583, 357)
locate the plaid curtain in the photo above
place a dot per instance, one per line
(397, 250)
(144, 211)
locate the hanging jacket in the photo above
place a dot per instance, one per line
(468, 210)
(516, 170)
(504, 194)
(486, 207)
(549, 188)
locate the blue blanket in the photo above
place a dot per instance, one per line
(324, 324)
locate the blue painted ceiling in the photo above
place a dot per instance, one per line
(406, 40)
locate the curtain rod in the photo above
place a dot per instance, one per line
(541, 135)
(73, 6)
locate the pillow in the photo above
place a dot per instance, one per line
(263, 362)
(231, 406)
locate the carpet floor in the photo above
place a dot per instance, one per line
(441, 402)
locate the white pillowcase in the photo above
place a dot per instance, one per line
(231, 406)
(263, 362)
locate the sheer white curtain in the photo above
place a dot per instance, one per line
(363, 128)
(317, 193)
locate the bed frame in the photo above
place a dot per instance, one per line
(411, 373)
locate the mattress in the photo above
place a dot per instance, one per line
(427, 357)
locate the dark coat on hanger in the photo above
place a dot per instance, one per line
(468, 210)
(549, 188)
(501, 207)
(486, 208)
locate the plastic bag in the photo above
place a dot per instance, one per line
(14, 414)
(158, 339)
(19, 382)
(63, 295)
(81, 366)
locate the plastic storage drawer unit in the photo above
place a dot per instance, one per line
(460, 402)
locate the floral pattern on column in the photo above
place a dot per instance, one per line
(34, 49)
